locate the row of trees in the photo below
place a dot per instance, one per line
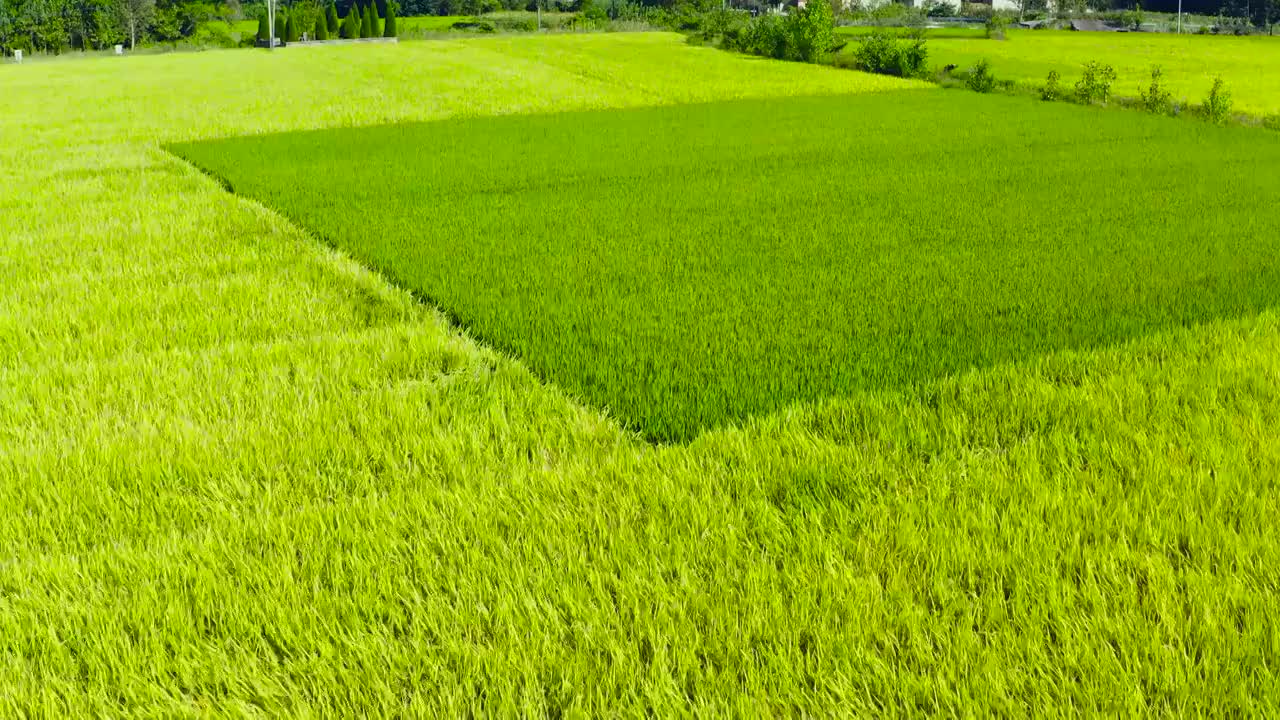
(58, 25)
(55, 26)
(323, 24)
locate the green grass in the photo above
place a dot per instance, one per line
(1190, 62)
(677, 266)
(241, 475)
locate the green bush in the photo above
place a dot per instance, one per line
(882, 53)
(811, 31)
(996, 26)
(280, 26)
(264, 27)
(321, 30)
(980, 78)
(375, 22)
(1051, 90)
(806, 35)
(478, 26)
(1095, 84)
(389, 28)
(1156, 99)
(1217, 107)
(291, 33)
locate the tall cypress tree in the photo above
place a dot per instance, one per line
(279, 27)
(366, 25)
(291, 33)
(389, 29)
(351, 26)
(331, 18)
(321, 31)
(264, 27)
(375, 22)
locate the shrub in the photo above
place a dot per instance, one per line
(980, 78)
(1217, 107)
(366, 24)
(280, 28)
(765, 36)
(940, 9)
(375, 22)
(389, 28)
(331, 19)
(479, 26)
(996, 25)
(1132, 19)
(291, 33)
(811, 31)
(321, 30)
(1156, 99)
(264, 27)
(882, 53)
(1095, 84)
(1051, 90)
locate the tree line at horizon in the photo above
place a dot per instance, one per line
(359, 23)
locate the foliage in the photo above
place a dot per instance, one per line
(366, 23)
(321, 29)
(883, 53)
(1157, 98)
(997, 25)
(389, 28)
(1218, 105)
(1095, 83)
(242, 475)
(375, 22)
(281, 29)
(351, 25)
(980, 79)
(1052, 90)
(941, 9)
(291, 31)
(264, 27)
(1132, 19)
(805, 35)
(332, 24)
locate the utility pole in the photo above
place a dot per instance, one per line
(1179, 17)
(270, 24)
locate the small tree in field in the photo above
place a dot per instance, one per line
(291, 30)
(389, 29)
(331, 19)
(375, 22)
(264, 29)
(321, 30)
(366, 24)
(280, 29)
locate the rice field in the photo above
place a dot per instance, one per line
(243, 474)
(677, 267)
(1190, 62)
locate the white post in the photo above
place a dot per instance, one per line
(17, 56)
(119, 49)
(271, 25)
(1179, 17)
